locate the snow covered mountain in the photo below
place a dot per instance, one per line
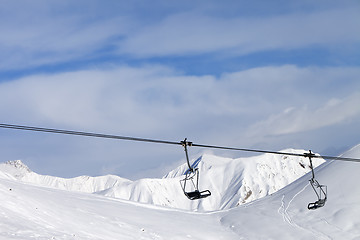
(18, 170)
(233, 182)
(34, 212)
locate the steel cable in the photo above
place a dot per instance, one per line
(100, 135)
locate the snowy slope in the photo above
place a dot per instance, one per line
(35, 212)
(232, 182)
(287, 209)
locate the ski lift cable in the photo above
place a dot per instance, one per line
(87, 134)
(278, 153)
(190, 144)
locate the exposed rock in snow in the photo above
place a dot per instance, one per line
(14, 169)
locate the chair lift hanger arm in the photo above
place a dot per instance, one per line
(185, 143)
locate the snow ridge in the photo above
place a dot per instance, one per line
(18, 170)
(233, 182)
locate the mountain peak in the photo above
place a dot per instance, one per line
(18, 164)
(16, 169)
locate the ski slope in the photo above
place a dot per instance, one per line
(33, 212)
(285, 216)
(30, 211)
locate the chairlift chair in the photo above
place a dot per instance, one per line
(192, 176)
(321, 194)
(195, 194)
(320, 190)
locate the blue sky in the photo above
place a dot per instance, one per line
(259, 74)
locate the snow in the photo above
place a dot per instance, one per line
(32, 211)
(233, 182)
(29, 211)
(286, 209)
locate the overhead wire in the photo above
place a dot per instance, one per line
(118, 137)
(87, 134)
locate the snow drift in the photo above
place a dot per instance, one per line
(233, 182)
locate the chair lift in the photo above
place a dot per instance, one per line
(190, 174)
(320, 190)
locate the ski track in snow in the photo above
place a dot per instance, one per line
(284, 211)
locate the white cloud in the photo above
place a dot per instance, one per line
(236, 109)
(158, 99)
(305, 118)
